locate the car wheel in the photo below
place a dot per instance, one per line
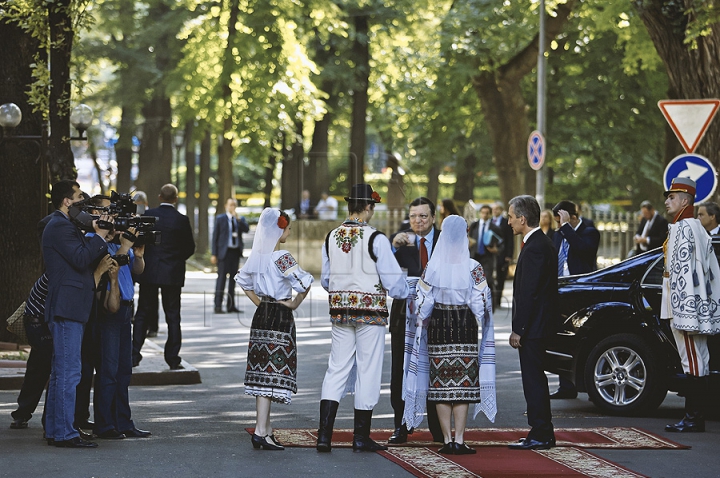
(623, 376)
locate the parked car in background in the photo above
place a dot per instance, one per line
(612, 341)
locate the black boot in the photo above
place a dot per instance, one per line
(361, 434)
(328, 410)
(695, 396)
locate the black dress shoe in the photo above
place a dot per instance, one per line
(177, 367)
(111, 434)
(86, 425)
(76, 442)
(234, 310)
(219, 311)
(136, 433)
(531, 444)
(463, 449)
(85, 435)
(563, 393)
(19, 424)
(400, 435)
(448, 449)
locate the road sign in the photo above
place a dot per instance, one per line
(696, 167)
(536, 150)
(689, 119)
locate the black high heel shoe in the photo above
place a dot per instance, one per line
(267, 442)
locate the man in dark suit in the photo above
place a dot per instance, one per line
(227, 249)
(412, 249)
(576, 243)
(486, 241)
(653, 229)
(505, 255)
(70, 259)
(534, 317)
(164, 270)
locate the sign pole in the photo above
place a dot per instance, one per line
(540, 173)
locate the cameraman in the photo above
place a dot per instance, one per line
(70, 258)
(114, 335)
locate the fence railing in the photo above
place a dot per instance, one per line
(617, 231)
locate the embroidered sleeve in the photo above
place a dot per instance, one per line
(478, 277)
(286, 264)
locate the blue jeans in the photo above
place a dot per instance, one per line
(66, 370)
(112, 406)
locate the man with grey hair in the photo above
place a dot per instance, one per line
(534, 317)
(652, 231)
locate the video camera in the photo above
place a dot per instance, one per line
(124, 209)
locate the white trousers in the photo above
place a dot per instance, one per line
(693, 350)
(350, 343)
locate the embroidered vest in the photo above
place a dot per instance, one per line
(356, 295)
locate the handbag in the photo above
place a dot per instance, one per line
(16, 325)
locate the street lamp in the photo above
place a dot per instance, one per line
(11, 116)
(179, 143)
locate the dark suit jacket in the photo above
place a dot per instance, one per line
(535, 289)
(584, 243)
(221, 235)
(508, 249)
(658, 232)
(165, 262)
(474, 230)
(407, 257)
(70, 259)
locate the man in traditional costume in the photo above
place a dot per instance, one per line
(358, 271)
(690, 295)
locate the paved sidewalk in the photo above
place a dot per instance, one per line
(198, 429)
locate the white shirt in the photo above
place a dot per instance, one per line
(566, 270)
(281, 280)
(646, 230)
(327, 209)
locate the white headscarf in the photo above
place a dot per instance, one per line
(266, 237)
(449, 265)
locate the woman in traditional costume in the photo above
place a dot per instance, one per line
(268, 279)
(453, 300)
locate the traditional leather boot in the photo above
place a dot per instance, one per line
(328, 410)
(361, 434)
(695, 397)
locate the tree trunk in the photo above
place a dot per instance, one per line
(226, 185)
(203, 237)
(361, 56)
(21, 186)
(155, 158)
(433, 185)
(190, 175)
(62, 162)
(293, 171)
(269, 175)
(693, 73)
(505, 110)
(124, 148)
(465, 182)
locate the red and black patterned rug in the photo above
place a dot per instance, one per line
(596, 437)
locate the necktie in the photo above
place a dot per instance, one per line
(562, 257)
(423, 253)
(234, 231)
(481, 241)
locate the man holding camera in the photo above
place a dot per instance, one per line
(70, 258)
(164, 271)
(113, 333)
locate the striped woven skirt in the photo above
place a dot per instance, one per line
(453, 353)
(272, 353)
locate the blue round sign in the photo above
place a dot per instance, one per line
(536, 150)
(696, 167)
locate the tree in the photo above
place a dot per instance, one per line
(686, 34)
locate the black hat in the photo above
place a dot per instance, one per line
(363, 192)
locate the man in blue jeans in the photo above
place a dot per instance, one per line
(70, 259)
(113, 333)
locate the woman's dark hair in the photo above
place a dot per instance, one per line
(449, 207)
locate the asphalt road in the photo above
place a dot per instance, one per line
(198, 430)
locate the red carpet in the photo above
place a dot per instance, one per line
(599, 437)
(496, 462)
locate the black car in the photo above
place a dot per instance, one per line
(612, 342)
